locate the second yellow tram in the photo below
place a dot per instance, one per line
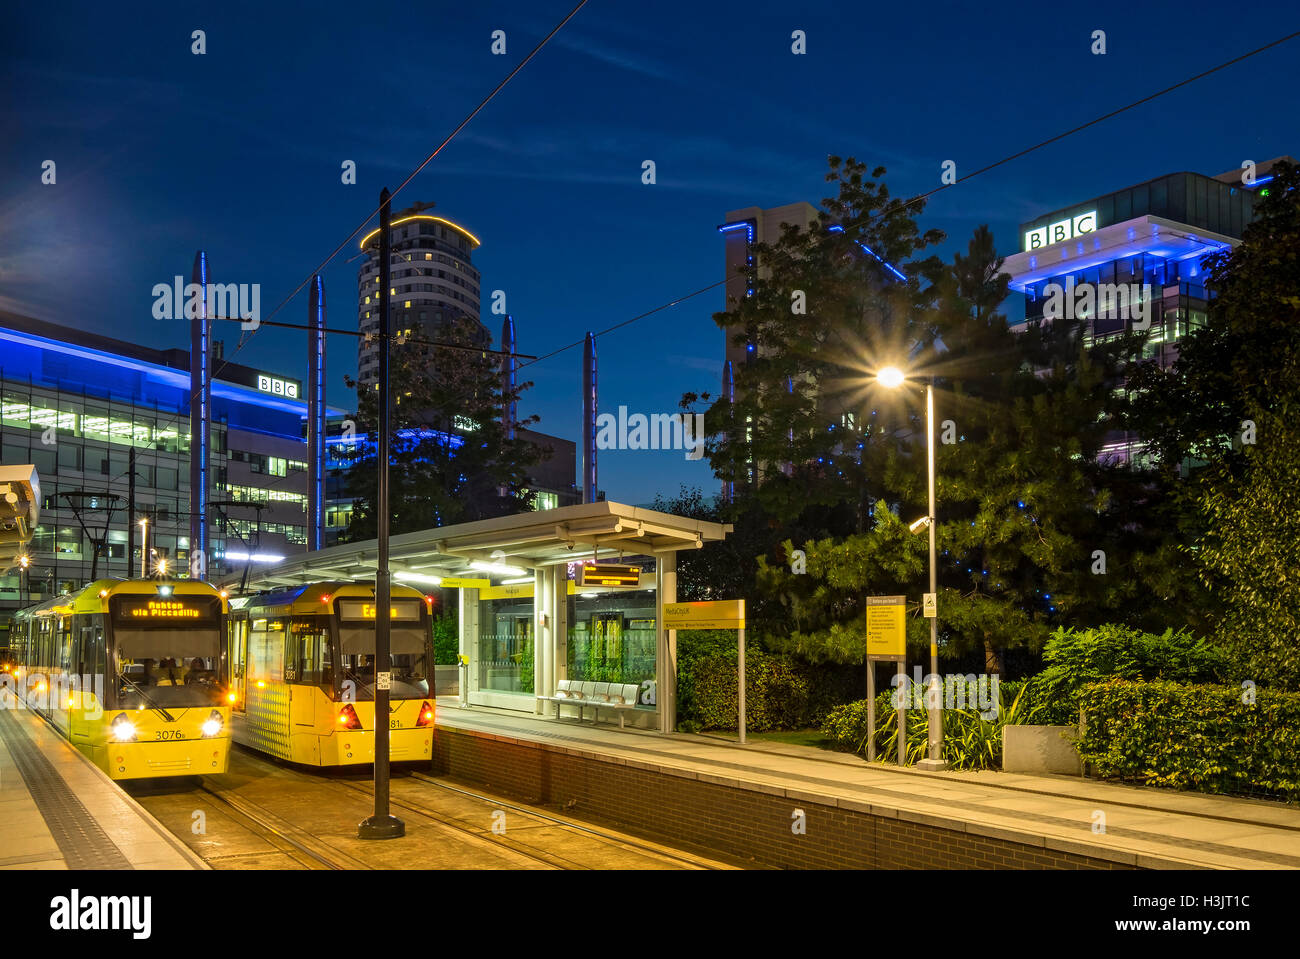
(303, 674)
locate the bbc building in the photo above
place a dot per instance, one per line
(88, 411)
(1152, 241)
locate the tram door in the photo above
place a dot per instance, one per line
(92, 680)
(238, 660)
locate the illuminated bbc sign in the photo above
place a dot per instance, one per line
(277, 387)
(1061, 231)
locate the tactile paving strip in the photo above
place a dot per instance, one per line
(81, 840)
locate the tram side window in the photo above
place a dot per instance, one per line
(64, 645)
(266, 650)
(91, 629)
(308, 657)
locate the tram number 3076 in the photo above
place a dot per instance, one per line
(168, 734)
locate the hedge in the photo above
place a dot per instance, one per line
(780, 692)
(1078, 657)
(1207, 738)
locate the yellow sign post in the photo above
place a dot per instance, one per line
(711, 614)
(886, 640)
(887, 627)
(460, 582)
(715, 614)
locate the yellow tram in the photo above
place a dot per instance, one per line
(131, 672)
(303, 674)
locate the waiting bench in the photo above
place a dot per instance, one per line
(597, 696)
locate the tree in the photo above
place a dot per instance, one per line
(1250, 550)
(717, 570)
(1225, 416)
(451, 459)
(1030, 534)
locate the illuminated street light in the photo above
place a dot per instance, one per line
(892, 377)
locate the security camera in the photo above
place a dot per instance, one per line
(919, 524)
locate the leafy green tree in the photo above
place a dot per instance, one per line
(1030, 533)
(1250, 551)
(451, 460)
(1225, 417)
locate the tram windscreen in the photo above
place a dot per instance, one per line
(166, 650)
(408, 643)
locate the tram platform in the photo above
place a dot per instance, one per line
(802, 807)
(59, 811)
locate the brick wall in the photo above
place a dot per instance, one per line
(746, 823)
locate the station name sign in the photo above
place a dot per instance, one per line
(1060, 231)
(276, 386)
(707, 614)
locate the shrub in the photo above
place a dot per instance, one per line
(970, 740)
(776, 696)
(446, 640)
(781, 692)
(1078, 657)
(1193, 737)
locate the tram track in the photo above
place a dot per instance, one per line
(266, 822)
(657, 851)
(509, 845)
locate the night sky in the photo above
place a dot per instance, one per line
(160, 152)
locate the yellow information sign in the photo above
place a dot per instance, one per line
(459, 581)
(513, 591)
(886, 627)
(711, 614)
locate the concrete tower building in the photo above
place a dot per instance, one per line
(433, 281)
(741, 231)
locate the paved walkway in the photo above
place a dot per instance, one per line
(60, 811)
(1150, 828)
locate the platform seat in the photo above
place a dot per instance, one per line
(597, 696)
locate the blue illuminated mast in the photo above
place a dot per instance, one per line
(200, 419)
(316, 414)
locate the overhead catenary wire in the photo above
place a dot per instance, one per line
(243, 341)
(917, 199)
(893, 209)
(847, 228)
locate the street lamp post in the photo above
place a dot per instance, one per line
(892, 377)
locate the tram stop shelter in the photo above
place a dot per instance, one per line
(524, 622)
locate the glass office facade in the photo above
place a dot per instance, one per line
(77, 413)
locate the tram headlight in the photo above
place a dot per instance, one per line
(123, 729)
(213, 725)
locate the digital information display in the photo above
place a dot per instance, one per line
(164, 610)
(408, 611)
(608, 574)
